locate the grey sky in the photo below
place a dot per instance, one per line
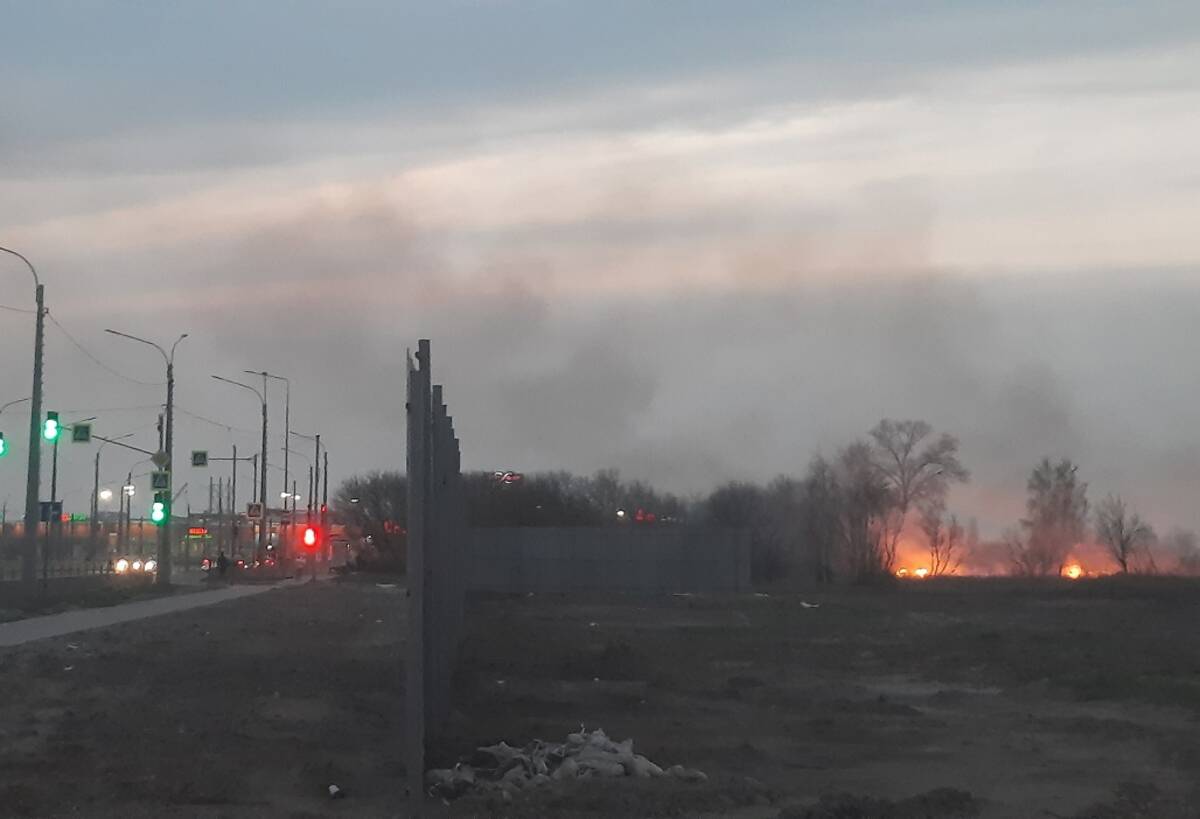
(693, 241)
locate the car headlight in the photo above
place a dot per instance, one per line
(151, 565)
(122, 566)
(137, 565)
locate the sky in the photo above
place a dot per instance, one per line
(692, 241)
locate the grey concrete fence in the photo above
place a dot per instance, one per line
(436, 535)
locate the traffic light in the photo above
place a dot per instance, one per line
(159, 509)
(50, 428)
(310, 538)
(3, 446)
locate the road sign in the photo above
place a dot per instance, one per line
(199, 457)
(159, 459)
(51, 510)
(160, 480)
(81, 433)
(254, 510)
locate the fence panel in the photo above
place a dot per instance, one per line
(436, 533)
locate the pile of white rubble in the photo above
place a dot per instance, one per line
(504, 769)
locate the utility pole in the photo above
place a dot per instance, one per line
(220, 509)
(95, 506)
(128, 511)
(235, 543)
(262, 486)
(316, 484)
(262, 473)
(53, 522)
(292, 519)
(33, 475)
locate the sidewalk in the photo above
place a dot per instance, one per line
(68, 622)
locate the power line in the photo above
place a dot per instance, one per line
(18, 309)
(220, 424)
(97, 361)
(110, 409)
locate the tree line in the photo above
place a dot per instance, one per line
(843, 518)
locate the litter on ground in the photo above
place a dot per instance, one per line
(585, 755)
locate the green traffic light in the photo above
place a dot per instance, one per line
(3, 446)
(158, 512)
(50, 428)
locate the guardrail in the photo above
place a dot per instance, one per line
(11, 569)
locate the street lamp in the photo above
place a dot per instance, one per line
(3, 407)
(262, 474)
(97, 494)
(105, 495)
(287, 411)
(164, 534)
(316, 467)
(33, 475)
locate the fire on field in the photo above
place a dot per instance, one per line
(882, 506)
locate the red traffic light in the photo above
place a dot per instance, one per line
(310, 537)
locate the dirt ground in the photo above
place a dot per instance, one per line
(245, 709)
(958, 698)
(930, 700)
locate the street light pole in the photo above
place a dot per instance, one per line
(96, 492)
(33, 476)
(315, 478)
(287, 412)
(163, 577)
(262, 474)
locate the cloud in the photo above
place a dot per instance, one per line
(693, 276)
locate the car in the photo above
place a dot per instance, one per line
(135, 565)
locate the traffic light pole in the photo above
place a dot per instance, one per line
(233, 489)
(164, 531)
(163, 577)
(33, 477)
(262, 487)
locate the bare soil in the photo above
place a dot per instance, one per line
(929, 700)
(245, 709)
(955, 698)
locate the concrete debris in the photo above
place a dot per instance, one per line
(502, 769)
(687, 774)
(804, 604)
(336, 793)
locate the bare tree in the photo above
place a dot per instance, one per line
(820, 517)
(375, 508)
(946, 539)
(917, 471)
(1184, 547)
(1122, 531)
(1057, 519)
(866, 502)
